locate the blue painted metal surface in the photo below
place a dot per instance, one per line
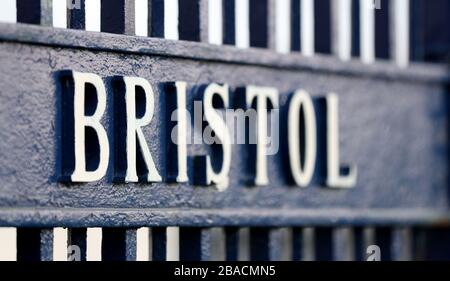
(393, 126)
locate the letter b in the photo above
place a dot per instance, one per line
(82, 121)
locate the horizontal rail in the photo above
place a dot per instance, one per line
(31, 34)
(127, 217)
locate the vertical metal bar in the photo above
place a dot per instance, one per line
(429, 41)
(355, 28)
(307, 27)
(218, 252)
(173, 243)
(359, 249)
(189, 20)
(382, 31)
(232, 243)
(341, 28)
(282, 24)
(171, 19)
(142, 17)
(259, 24)
(143, 247)
(77, 244)
(28, 11)
(308, 244)
(9, 13)
(418, 28)
(130, 17)
(193, 20)
(195, 244)
(402, 244)
(59, 13)
(281, 241)
(94, 236)
(242, 26)
(46, 249)
(369, 236)
(419, 247)
(157, 18)
(323, 243)
(117, 16)
(363, 238)
(271, 22)
(47, 12)
(295, 25)
(93, 15)
(229, 22)
(343, 244)
(159, 244)
(8, 242)
(244, 244)
(367, 31)
(204, 20)
(383, 240)
(205, 244)
(216, 18)
(77, 15)
(130, 244)
(60, 239)
(322, 26)
(399, 19)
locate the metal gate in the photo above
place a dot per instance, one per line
(393, 125)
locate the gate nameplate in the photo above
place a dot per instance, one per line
(355, 141)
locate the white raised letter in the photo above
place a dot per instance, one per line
(220, 128)
(302, 176)
(334, 177)
(134, 128)
(179, 135)
(81, 121)
(262, 94)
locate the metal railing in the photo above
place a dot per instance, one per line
(306, 27)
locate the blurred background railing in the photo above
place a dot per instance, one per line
(400, 30)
